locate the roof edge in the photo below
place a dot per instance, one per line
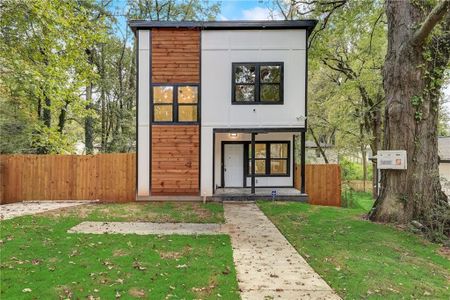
(225, 25)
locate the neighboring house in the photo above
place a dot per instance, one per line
(444, 163)
(314, 155)
(218, 107)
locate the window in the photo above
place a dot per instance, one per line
(257, 83)
(175, 104)
(271, 159)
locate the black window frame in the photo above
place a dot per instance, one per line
(257, 84)
(174, 104)
(267, 159)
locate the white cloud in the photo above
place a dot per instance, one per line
(222, 18)
(260, 13)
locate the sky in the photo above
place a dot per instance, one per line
(245, 10)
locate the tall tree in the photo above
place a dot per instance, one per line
(418, 54)
(347, 50)
(44, 65)
(173, 10)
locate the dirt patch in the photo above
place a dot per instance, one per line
(205, 292)
(175, 254)
(136, 293)
(445, 252)
(119, 252)
(160, 212)
(81, 211)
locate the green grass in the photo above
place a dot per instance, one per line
(358, 200)
(361, 259)
(189, 212)
(38, 254)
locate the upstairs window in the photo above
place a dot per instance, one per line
(257, 83)
(175, 104)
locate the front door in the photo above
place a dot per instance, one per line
(234, 165)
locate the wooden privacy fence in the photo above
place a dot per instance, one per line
(323, 183)
(107, 177)
(112, 177)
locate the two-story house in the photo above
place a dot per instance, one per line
(219, 108)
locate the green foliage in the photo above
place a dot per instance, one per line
(67, 69)
(346, 93)
(360, 259)
(353, 171)
(44, 63)
(173, 10)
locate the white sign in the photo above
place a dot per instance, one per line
(391, 159)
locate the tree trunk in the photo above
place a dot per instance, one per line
(364, 163)
(47, 114)
(317, 142)
(411, 118)
(62, 118)
(375, 145)
(89, 123)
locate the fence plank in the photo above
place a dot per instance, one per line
(107, 177)
(323, 183)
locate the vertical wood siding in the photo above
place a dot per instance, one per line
(175, 56)
(323, 183)
(106, 177)
(175, 160)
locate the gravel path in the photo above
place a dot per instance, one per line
(9, 211)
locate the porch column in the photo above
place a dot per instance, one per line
(253, 163)
(302, 163)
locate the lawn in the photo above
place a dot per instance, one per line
(161, 212)
(361, 259)
(40, 260)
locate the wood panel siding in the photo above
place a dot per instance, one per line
(323, 183)
(175, 160)
(175, 56)
(107, 177)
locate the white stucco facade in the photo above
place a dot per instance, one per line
(222, 48)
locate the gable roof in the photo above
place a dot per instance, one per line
(229, 25)
(444, 148)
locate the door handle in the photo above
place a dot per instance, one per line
(224, 169)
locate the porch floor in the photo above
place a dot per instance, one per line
(244, 194)
(287, 191)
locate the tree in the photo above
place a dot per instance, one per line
(418, 54)
(173, 10)
(44, 65)
(346, 54)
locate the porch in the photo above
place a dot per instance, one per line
(258, 164)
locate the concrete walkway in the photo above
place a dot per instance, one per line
(12, 210)
(145, 228)
(268, 266)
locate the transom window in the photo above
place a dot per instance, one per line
(257, 83)
(175, 104)
(271, 159)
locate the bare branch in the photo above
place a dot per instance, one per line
(438, 12)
